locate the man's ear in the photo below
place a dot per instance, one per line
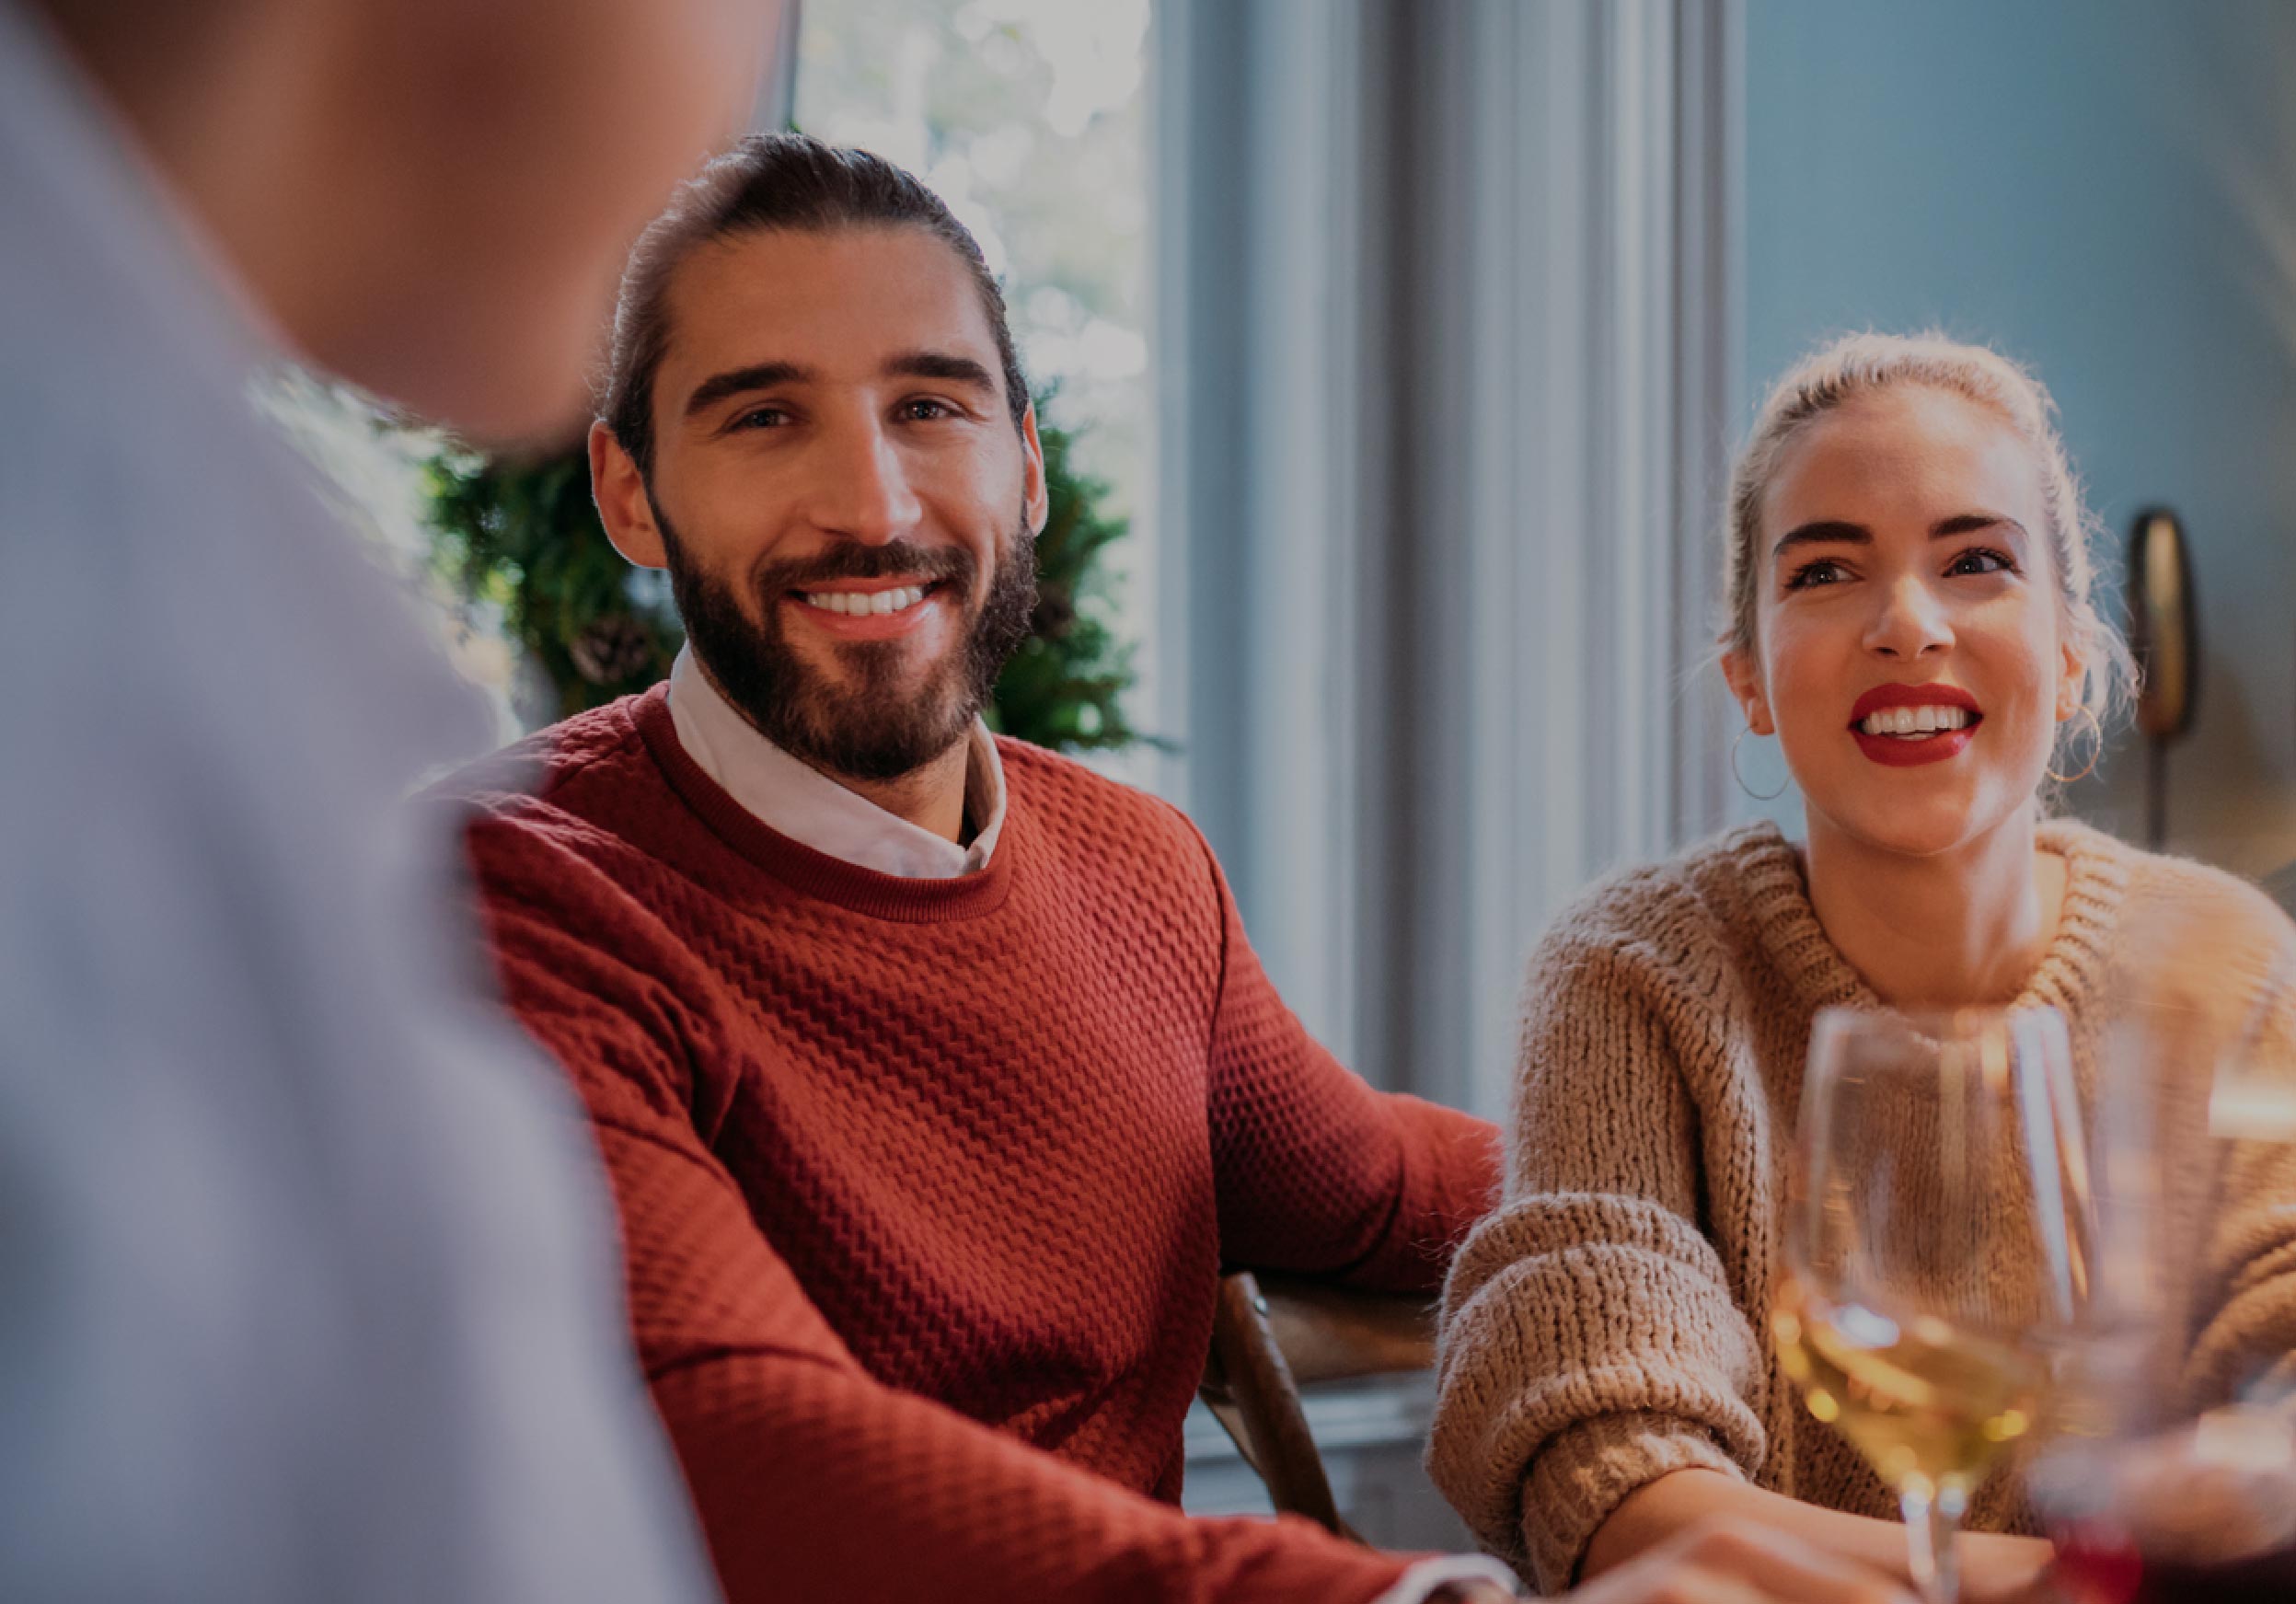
(1745, 674)
(623, 505)
(1035, 500)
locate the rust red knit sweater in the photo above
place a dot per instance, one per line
(925, 1185)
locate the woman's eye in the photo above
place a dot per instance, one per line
(1825, 571)
(1978, 559)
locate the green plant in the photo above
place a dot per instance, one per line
(1065, 686)
(522, 534)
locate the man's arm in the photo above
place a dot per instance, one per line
(1318, 1172)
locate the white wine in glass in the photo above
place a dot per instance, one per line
(1922, 1401)
(1936, 1247)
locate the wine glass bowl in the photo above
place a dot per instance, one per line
(1936, 1247)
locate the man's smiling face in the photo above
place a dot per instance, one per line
(846, 508)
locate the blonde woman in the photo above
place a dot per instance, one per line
(1910, 616)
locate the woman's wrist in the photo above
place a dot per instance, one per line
(1650, 1515)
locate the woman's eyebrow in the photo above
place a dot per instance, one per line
(1970, 523)
(1839, 532)
(1823, 532)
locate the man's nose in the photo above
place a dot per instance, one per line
(862, 490)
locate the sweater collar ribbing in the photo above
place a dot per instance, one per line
(2071, 970)
(800, 866)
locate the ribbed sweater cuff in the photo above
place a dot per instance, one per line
(1583, 1474)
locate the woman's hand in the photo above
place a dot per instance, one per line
(1995, 1569)
(1730, 1560)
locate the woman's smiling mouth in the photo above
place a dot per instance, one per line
(1902, 725)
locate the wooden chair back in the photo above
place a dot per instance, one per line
(1270, 1338)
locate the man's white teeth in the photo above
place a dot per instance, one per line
(1915, 720)
(856, 603)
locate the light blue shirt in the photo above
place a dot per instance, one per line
(307, 1284)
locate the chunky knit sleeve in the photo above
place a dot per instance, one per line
(813, 1480)
(1590, 1342)
(1316, 1172)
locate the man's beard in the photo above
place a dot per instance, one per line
(879, 721)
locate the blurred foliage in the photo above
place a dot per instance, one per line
(522, 536)
(1065, 686)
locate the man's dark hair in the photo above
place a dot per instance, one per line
(773, 181)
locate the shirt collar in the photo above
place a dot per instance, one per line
(806, 805)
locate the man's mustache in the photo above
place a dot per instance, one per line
(849, 559)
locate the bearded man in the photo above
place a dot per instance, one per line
(934, 1074)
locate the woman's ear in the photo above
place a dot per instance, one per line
(2071, 679)
(1745, 674)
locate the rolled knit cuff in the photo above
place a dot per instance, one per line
(1583, 1475)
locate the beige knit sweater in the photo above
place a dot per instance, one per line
(1606, 1325)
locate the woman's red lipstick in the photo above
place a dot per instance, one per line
(1899, 752)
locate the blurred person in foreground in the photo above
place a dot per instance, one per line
(1910, 613)
(307, 1286)
(935, 1074)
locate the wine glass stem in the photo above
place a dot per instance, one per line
(1931, 1522)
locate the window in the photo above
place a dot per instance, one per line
(1027, 117)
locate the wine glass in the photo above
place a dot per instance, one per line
(1936, 1247)
(2175, 1476)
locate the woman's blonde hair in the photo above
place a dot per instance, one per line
(1860, 363)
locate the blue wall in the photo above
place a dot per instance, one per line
(2107, 190)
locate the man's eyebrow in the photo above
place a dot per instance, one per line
(734, 381)
(1970, 523)
(1823, 532)
(944, 365)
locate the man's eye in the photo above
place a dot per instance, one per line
(925, 412)
(762, 418)
(1978, 559)
(1825, 571)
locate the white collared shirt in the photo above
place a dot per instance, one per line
(809, 808)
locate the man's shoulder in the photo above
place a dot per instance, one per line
(564, 785)
(1073, 804)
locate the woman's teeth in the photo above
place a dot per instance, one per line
(856, 603)
(1916, 721)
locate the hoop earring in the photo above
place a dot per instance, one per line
(2095, 753)
(1757, 796)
